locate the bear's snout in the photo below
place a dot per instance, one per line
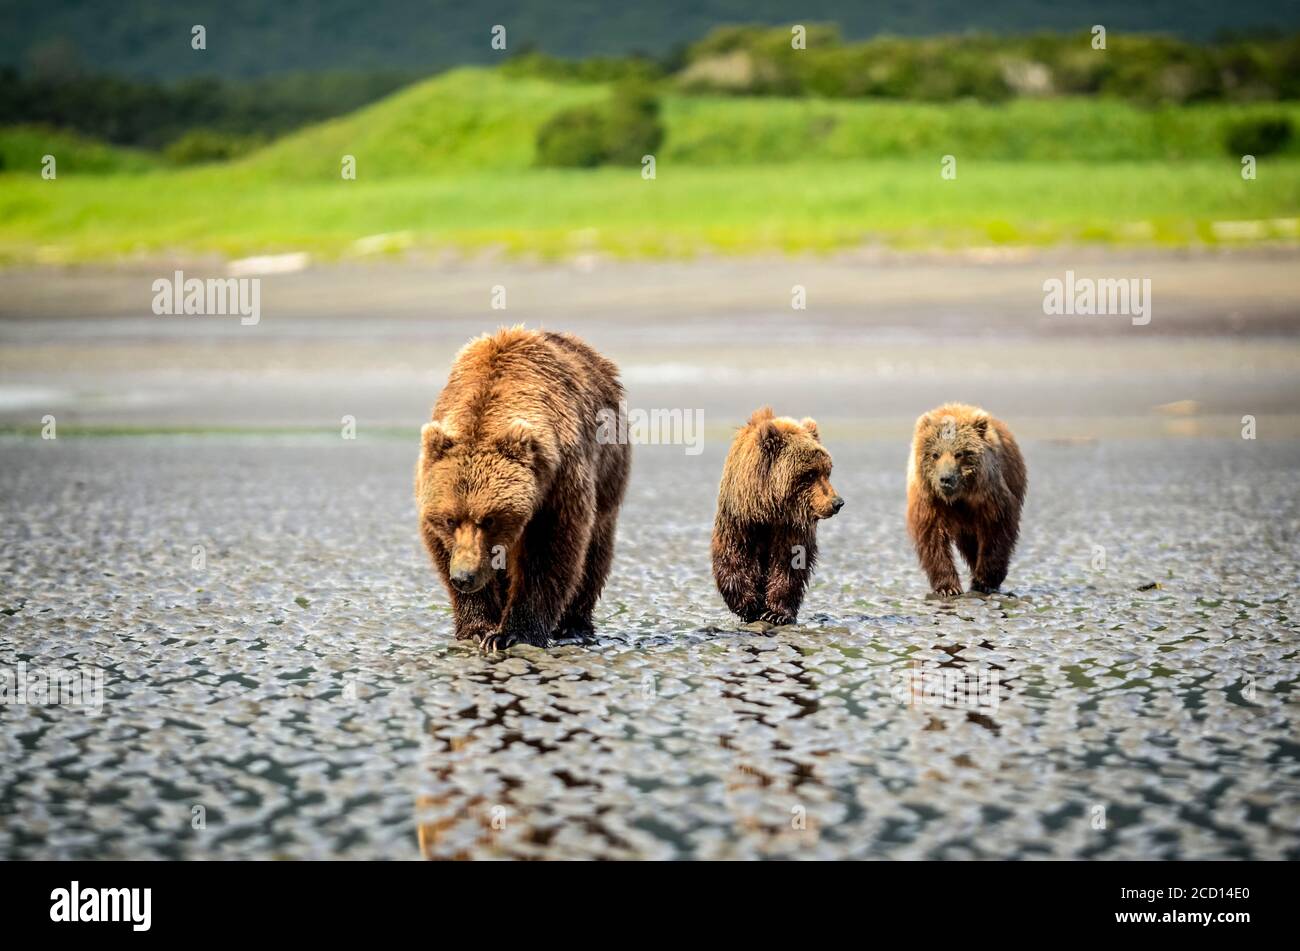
(465, 580)
(467, 573)
(837, 503)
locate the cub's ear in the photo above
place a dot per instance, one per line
(520, 443)
(770, 439)
(435, 440)
(981, 425)
(760, 415)
(810, 424)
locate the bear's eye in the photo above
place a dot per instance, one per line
(449, 523)
(486, 523)
(935, 455)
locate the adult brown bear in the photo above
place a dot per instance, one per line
(966, 484)
(517, 492)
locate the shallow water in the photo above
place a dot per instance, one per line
(298, 692)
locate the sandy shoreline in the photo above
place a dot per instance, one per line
(972, 291)
(881, 338)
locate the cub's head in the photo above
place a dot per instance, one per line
(950, 451)
(780, 471)
(476, 494)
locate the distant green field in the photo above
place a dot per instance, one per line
(449, 163)
(792, 207)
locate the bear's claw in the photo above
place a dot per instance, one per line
(779, 618)
(507, 636)
(497, 641)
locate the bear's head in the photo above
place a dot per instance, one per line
(476, 493)
(792, 469)
(951, 451)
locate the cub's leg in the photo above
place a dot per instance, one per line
(968, 543)
(933, 549)
(997, 542)
(790, 564)
(739, 573)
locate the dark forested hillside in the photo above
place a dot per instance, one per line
(256, 37)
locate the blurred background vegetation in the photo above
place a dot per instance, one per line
(1056, 140)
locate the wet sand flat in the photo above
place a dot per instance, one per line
(1133, 699)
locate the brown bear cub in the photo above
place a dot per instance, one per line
(775, 487)
(965, 486)
(516, 493)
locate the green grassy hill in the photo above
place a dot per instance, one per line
(479, 120)
(467, 119)
(449, 163)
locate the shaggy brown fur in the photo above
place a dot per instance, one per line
(775, 487)
(965, 486)
(517, 496)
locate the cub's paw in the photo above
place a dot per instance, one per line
(947, 591)
(778, 618)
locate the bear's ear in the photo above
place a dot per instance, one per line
(769, 439)
(760, 415)
(810, 424)
(981, 426)
(519, 442)
(435, 440)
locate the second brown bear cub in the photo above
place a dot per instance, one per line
(775, 487)
(965, 487)
(517, 493)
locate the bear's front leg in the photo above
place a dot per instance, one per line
(474, 615)
(479, 614)
(791, 561)
(934, 550)
(545, 570)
